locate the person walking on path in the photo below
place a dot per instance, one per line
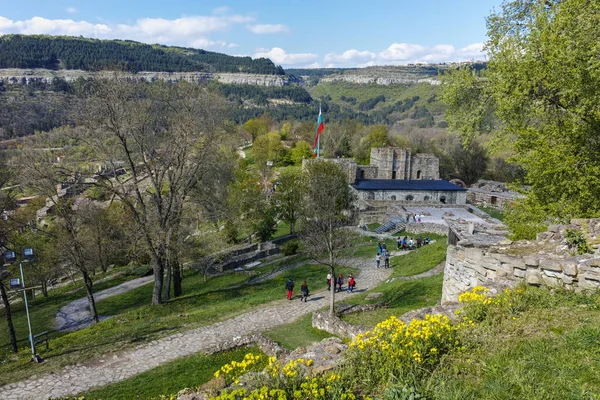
(398, 243)
(387, 260)
(378, 259)
(351, 283)
(379, 247)
(304, 290)
(329, 281)
(340, 282)
(290, 288)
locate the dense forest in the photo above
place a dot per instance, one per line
(63, 52)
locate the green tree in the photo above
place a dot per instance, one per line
(542, 87)
(300, 151)
(327, 210)
(288, 197)
(257, 127)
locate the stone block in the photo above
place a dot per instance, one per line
(570, 268)
(519, 273)
(590, 277)
(533, 278)
(531, 261)
(551, 281)
(554, 228)
(491, 263)
(567, 280)
(552, 274)
(550, 264)
(501, 273)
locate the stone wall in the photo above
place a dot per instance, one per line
(418, 196)
(366, 172)
(334, 325)
(488, 258)
(384, 158)
(424, 166)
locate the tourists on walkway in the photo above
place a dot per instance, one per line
(419, 242)
(379, 247)
(398, 243)
(414, 217)
(387, 260)
(426, 241)
(404, 244)
(407, 218)
(378, 259)
(290, 288)
(419, 218)
(410, 244)
(304, 290)
(384, 249)
(351, 283)
(329, 281)
(340, 282)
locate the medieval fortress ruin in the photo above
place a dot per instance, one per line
(482, 255)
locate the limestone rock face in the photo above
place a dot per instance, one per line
(30, 76)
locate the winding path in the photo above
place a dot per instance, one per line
(76, 315)
(99, 372)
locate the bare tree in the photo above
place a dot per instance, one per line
(166, 137)
(327, 210)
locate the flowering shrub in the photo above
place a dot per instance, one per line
(394, 348)
(479, 305)
(290, 382)
(232, 371)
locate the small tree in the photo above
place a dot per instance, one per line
(327, 211)
(288, 197)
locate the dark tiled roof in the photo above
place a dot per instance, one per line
(397, 184)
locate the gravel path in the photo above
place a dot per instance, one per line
(114, 368)
(76, 315)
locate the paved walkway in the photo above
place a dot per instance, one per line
(114, 368)
(76, 315)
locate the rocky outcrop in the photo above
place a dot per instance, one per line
(31, 76)
(367, 80)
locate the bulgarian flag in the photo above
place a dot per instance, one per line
(320, 127)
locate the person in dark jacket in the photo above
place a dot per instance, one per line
(304, 290)
(340, 282)
(290, 288)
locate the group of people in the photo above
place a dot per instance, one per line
(339, 282)
(407, 243)
(415, 218)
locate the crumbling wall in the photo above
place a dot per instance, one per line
(488, 258)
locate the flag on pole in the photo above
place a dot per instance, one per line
(320, 127)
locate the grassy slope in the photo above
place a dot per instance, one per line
(136, 321)
(392, 93)
(297, 334)
(550, 351)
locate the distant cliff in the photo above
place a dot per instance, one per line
(32, 76)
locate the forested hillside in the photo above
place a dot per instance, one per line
(64, 52)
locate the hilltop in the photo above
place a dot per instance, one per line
(78, 53)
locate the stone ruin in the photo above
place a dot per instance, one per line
(483, 255)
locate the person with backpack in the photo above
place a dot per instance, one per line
(290, 288)
(304, 290)
(387, 260)
(351, 283)
(340, 282)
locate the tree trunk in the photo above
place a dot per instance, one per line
(8, 313)
(88, 283)
(44, 288)
(292, 228)
(177, 278)
(159, 269)
(167, 293)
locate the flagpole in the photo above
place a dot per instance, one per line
(319, 138)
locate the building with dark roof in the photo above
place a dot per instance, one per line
(410, 191)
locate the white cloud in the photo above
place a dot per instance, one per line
(279, 56)
(352, 56)
(405, 53)
(221, 10)
(232, 45)
(265, 29)
(187, 31)
(71, 10)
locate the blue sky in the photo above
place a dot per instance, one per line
(293, 33)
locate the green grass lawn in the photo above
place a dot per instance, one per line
(373, 226)
(135, 321)
(493, 212)
(299, 333)
(549, 351)
(283, 229)
(419, 260)
(168, 379)
(43, 309)
(401, 297)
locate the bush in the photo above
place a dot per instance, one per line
(290, 248)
